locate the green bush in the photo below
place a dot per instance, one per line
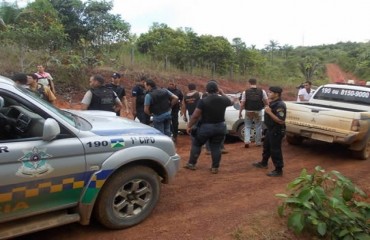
(327, 205)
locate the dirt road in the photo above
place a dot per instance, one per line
(237, 203)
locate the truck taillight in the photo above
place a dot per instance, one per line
(355, 125)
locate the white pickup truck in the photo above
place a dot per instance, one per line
(336, 113)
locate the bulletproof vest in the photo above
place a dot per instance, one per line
(253, 99)
(160, 101)
(102, 99)
(191, 102)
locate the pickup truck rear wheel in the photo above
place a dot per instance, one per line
(364, 153)
(128, 197)
(294, 140)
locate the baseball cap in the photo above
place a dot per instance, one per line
(116, 75)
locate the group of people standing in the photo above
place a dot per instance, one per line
(210, 113)
(206, 112)
(162, 104)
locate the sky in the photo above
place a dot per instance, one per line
(257, 22)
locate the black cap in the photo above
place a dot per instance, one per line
(276, 89)
(116, 75)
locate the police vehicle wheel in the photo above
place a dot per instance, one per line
(128, 197)
(294, 140)
(363, 154)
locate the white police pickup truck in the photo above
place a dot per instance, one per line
(336, 113)
(59, 167)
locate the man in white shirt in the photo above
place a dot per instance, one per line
(305, 93)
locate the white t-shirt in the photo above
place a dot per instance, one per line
(306, 96)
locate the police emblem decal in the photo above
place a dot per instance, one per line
(34, 163)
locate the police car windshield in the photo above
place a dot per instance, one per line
(67, 117)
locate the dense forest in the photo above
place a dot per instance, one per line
(72, 37)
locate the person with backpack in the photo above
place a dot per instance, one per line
(253, 101)
(100, 97)
(42, 91)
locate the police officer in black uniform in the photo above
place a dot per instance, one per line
(275, 115)
(100, 97)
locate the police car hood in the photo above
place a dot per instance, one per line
(106, 123)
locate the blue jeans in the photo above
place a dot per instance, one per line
(215, 134)
(163, 123)
(250, 118)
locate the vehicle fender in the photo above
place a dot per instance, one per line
(237, 123)
(150, 156)
(359, 145)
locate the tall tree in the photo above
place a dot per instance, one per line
(35, 27)
(308, 66)
(103, 27)
(271, 47)
(70, 13)
(217, 51)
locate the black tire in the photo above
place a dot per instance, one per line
(128, 197)
(241, 132)
(363, 154)
(294, 140)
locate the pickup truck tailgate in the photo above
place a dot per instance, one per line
(325, 124)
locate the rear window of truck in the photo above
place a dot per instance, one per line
(355, 96)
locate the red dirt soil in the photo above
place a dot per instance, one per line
(237, 203)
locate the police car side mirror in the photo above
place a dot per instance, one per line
(51, 130)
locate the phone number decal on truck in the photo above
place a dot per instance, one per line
(345, 92)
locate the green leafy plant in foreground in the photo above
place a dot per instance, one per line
(326, 204)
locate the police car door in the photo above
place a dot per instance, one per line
(36, 175)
